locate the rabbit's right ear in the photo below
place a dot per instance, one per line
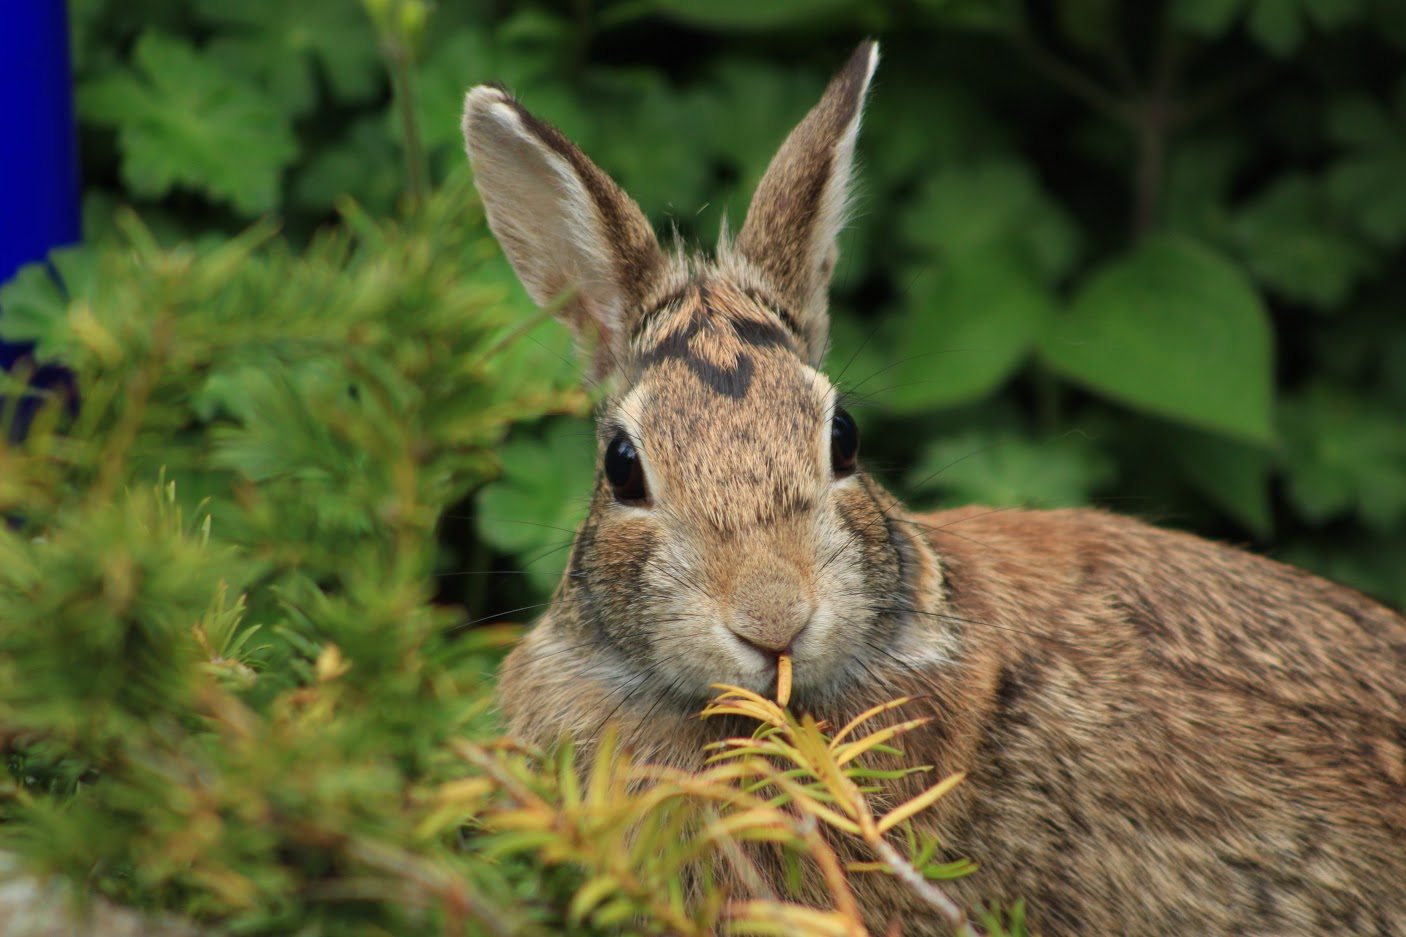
(799, 205)
(569, 231)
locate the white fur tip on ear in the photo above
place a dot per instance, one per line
(487, 103)
(482, 97)
(873, 60)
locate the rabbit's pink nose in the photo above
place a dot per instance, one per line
(771, 630)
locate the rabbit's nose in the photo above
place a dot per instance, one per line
(771, 628)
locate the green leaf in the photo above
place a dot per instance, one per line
(1004, 468)
(35, 301)
(1292, 241)
(667, 177)
(533, 510)
(976, 15)
(858, 360)
(964, 331)
(450, 65)
(743, 110)
(1207, 17)
(1365, 184)
(1089, 24)
(1345, 453)
(363, 165)
(1174, 329)
(182, 120)
(1277, 24)
(1334, 14)
(1201, 173)
(284, 47)
(966, 210)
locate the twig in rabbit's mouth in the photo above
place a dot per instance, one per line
(783, 679)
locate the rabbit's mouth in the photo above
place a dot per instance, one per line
(773, 665)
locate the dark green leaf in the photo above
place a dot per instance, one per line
(1372, 564)
(1207, 17)
(1293, 243)
(284, 46)
(1277, 24)
(1345, 453)
(1365, 184)
(1089, 24)
(1233, 475)
(1197, 186)
(744, 112)
(364, 165)
(532, 512)
(182, 120)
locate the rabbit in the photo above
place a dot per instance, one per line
(1161, 734)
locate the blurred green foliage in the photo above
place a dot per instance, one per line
(1145, 255)
(1139, 254)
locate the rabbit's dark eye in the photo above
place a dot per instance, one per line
(624, 471)
(844, 443)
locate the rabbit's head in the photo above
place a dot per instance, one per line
(730, 520)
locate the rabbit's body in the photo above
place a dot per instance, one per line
(1163, 735)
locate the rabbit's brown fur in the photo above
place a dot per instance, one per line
(1163, 734)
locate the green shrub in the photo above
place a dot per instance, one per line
(219, 646)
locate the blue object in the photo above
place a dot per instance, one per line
(39, 208)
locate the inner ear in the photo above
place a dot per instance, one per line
(799, 207)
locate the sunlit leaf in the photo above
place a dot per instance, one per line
(1174, 329)
(967, 326)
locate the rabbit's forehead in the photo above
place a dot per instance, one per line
(731, 421)
(736, 459)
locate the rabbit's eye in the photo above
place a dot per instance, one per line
(844, 443)
(624, 471)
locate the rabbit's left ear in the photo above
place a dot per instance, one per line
(799, 206)
(573, 236)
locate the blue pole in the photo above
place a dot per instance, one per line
(38, 150)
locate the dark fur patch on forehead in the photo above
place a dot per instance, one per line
(713, 340)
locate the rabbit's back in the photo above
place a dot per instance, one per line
(1168, 734)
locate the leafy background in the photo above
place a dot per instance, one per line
(1147, 256)
(1140, 255)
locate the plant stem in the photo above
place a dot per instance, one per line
(1067, 76)
(416, 173)
(935, 897)
(1154, 119)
